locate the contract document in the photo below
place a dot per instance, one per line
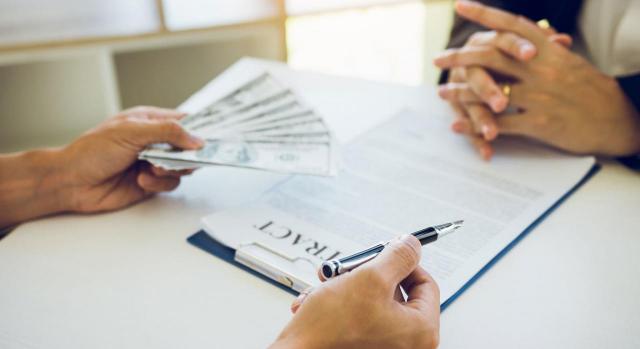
(402, 176)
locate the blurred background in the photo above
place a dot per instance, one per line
(66, 65)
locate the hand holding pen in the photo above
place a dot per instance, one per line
(333, 268)
(364, 301)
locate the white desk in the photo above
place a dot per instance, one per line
(128, 279)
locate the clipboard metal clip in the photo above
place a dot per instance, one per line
(259, 257)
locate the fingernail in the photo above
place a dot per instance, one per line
(485, 152)
(457, 127)
(485, 130)
(143, 180)
(442, 90)
(440, 56)
(464, 4)
(498, 102)
(526, 50)
(295, 305)
(489, 132)
(197, 141)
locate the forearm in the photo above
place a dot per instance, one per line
(31, 186)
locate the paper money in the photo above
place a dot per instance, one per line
(260, 125)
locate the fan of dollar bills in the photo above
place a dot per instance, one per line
(260, 125)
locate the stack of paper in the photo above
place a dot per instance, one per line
(260, 125)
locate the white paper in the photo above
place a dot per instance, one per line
(410, 173)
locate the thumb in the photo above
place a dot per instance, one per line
(397, 260)
(144, 133)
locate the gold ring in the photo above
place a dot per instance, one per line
(544, 23)
(506, 90)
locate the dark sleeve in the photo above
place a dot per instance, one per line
(462, 30)
(562, 14)
(631, 87)
(4, 232)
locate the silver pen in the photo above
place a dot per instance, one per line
(335, 267)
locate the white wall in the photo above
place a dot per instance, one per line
(50, 96)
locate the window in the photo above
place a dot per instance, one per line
(386, 40)
(191, 14)
(389, 40)
(35, 21)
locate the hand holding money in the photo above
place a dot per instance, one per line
(105, 172)
(100, 171)
(259, 125)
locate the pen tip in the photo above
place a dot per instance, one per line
(459, 222)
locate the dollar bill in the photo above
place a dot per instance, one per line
(261, 87)
(277, 156)
(259, 125)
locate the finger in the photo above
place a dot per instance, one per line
(399, 258)
(143, 133)
(160, 172)
(156, 113)
(398, 296)
(458, 109)
(462, 125)
(458, 74)
(520, 125)
(483, 147)
(483, 121)
(500, 20)
(562, 39)
(509, 43)
(153, 184)
(297, 303)
(484, 86)
(458, 92)
(484, 56)
(546, 27)
(423, 293)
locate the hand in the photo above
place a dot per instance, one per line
(562, 100)
(102, 167)
(361, 309)
(467, 85)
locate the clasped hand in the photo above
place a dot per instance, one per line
(557, 97)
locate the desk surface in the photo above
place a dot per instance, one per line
(128, 279)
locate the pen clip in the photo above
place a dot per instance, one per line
(270, 268)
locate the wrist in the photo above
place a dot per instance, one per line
(31, 185)
(57, 179)
(50, 183)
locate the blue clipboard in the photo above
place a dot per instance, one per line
(205, 242)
